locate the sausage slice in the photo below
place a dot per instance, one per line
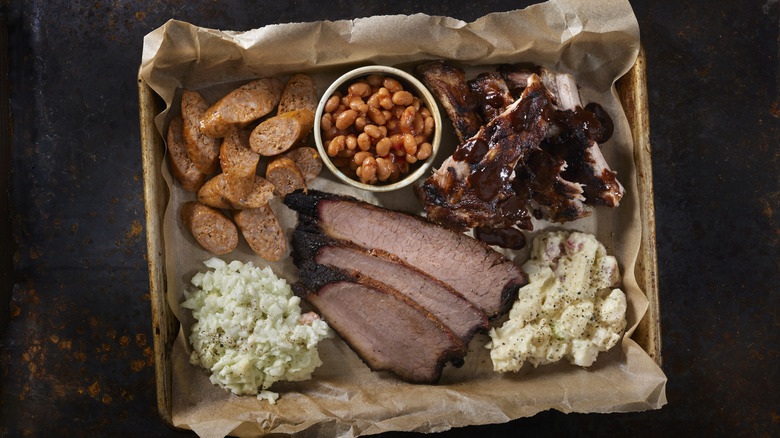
(213, 194)
(299, 93)
(203, 150)
(239, 164)
(180, 163)
(308, 161)
(278, 134)
(262, 231)
(285, 175)
(210, 227)
(241, 106)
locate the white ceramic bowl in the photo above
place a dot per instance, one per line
(410, 84)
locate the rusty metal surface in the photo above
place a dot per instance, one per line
(76, 356)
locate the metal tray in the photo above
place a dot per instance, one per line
(632, 91)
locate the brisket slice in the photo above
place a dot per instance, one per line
(387, 330)
(479, 273)
(456, 312)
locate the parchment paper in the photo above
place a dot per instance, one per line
(595, 41)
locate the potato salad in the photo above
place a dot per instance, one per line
(570, 308)
(249, 331)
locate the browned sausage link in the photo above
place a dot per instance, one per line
(214, 231)
(212, 193)
(285, 175)
(239, 164)
(262, 231)
(262, 193)
(203, 150)
(181, 166)
(278, 134)
(308, 161)
(241, 106)
(299, 93)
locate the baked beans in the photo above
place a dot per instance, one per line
(381, 126)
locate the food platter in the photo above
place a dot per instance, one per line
(632, 93)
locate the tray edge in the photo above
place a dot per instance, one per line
(164, 323)
(632, 90)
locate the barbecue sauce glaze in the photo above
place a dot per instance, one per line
(536, 170)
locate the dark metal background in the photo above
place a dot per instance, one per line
(75, 325)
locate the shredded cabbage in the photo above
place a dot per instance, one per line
(248, 331)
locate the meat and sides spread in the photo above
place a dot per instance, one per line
(401, 290)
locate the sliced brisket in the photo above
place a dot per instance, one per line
(457, 313)
(387, 330)
(479, 273)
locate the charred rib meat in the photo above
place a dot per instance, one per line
(536, 156)
(449, 85)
